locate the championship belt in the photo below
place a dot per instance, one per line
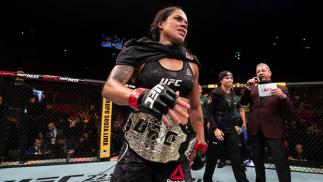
(152, 139)
(190, 147)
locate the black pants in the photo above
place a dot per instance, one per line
(222, 154)
(245, 149)
(279, 155)
(131, 167)
(4, 128)
(231, 145)
(14, 120)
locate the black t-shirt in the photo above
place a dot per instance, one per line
(17, 94)
(148, 52)
(220, 111)
(154, 73)
(298, 156)
(144, 50)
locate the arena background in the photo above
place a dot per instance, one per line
(76, 106)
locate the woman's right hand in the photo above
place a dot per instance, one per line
(219, 134)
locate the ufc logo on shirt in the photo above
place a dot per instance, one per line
(153, 95)
(171, 81)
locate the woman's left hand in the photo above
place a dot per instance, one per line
(180, 112)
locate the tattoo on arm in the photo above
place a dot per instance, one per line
(121, 73)
(199, 119)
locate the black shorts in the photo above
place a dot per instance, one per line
(132, 167)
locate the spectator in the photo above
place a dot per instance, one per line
(16, 98)
(52, 134)
(297, 154)
(61, 149)
(37, 149)
(83, 147)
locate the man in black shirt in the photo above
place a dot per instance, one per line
(297, 154)
(16, 97)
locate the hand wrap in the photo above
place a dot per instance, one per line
(155, 101)
(201, 147)
(198, 155)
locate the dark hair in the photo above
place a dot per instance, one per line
(161, 16)
(223, 74)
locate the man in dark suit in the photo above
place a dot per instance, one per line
(266, 123)
(52, 134)
(37, 149)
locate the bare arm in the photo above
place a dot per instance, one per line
(196, 114)
(114, 88)
(243, 117)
